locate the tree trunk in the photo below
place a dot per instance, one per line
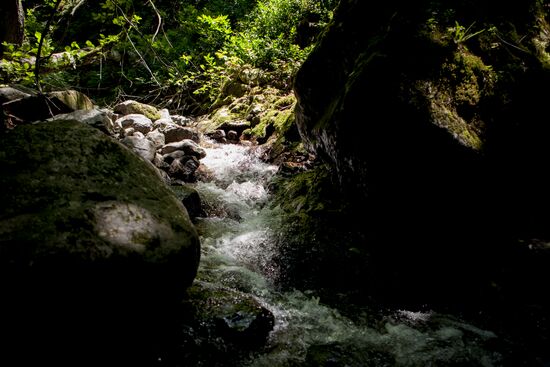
(12, 22)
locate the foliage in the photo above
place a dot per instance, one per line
(176, 53)
(461, 34)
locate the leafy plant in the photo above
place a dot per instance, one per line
(461, 34)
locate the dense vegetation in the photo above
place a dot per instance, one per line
(173, 53)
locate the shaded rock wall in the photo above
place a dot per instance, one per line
(436, 135)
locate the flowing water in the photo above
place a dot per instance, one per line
(238, 245)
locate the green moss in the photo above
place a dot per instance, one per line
(53, 176)
(454, 98)
(221, 116)
(286, 101)
(305, 192)
(280, 121)
(469, 77)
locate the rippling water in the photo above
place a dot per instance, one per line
(238, 247)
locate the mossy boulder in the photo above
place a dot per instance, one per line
(93, 245)
(431, 129)
(133, 107)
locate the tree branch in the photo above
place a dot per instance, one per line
(159, 23)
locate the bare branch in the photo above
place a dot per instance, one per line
(159, 23)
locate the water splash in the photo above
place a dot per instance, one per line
(238, 247)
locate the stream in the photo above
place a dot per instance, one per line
(238, 245)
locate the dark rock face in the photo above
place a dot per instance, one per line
(93, 246)
(437, 139)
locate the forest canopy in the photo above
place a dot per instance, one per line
(174, 53)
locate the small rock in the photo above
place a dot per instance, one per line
(178, 154)
(188, 146)
(164, 113)
(138, 122)
(237, 318)
(143, 147)
(132, 107)
(238, 126)
(162, 123)
(184, 168)
(175, 133)
(159, 162)
(217, 135)
(157, 138)
(73, 99)
(232, 135)
(181, 120)
(190, 199)
(128, 132)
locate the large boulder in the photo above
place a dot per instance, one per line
(94, 247)
(437, 135)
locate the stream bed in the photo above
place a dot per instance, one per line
(238, 244)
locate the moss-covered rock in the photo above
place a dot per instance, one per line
(133, 107)
(93, 245)
(432, 117)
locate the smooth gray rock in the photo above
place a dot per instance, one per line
(139, 122)
(143, 147)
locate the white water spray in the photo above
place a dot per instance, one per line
(238, 249)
